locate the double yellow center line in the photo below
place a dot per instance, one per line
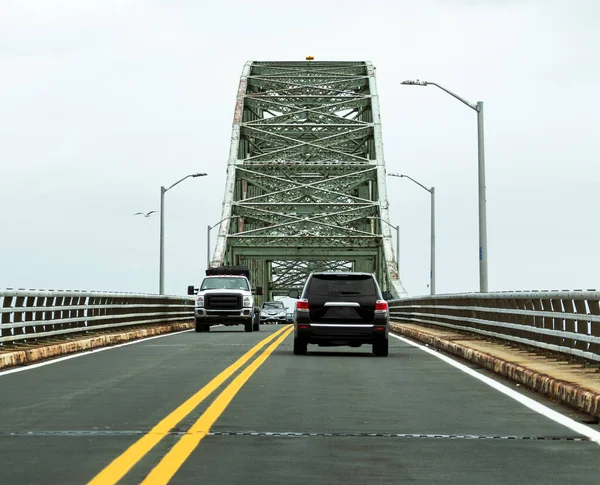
(171, 462)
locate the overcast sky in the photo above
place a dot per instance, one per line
(104, 101)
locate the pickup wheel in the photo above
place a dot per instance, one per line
(256, 326)
(199, 325)
(380, 348)
(300, 346)
(248, 325)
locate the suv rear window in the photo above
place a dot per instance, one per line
(340, 285)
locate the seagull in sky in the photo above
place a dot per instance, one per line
(146, 214)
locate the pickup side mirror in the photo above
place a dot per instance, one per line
(192, 290)
(387, 295)
(258, 291)
(294, 294)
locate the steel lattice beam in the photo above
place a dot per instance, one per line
(305, 186)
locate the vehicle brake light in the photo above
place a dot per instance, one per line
(381, 306)
(302, 305)
(379, 328)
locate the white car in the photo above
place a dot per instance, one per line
(273, 312)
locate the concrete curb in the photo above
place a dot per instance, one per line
(564, 392)
(36, 354)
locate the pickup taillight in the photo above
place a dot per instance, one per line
(302, 305)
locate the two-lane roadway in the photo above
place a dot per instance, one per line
(230, 407)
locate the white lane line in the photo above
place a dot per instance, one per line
(83, 353)
(573, 425)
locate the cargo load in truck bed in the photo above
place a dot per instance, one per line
(229, 270)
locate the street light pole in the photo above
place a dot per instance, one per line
(208, 229)
(161, 265)
(161, 269)
(483, 264)
(483, 257)
(432, 250)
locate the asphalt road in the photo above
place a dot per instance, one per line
(184, 409)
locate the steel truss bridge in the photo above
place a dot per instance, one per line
(305, 188)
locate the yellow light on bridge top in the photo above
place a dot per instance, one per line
(310, 58)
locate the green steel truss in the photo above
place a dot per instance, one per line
(305, 187)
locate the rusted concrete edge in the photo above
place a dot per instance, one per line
(564, 392)
(36, 354)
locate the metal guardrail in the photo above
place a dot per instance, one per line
(567, 322)
(33, 314)
(562, 321)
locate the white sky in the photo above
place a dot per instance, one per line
(104, 101)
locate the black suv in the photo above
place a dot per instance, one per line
(341, 308)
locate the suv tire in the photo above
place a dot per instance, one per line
(300, 346)
(248, 325)
(199, 327)
(380, 348)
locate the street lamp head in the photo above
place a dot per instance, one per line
(199, 174)
(395, 175)
(415, 82)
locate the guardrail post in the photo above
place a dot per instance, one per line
(594, 306)
(558, 323)
(18, 315)
(528, 320)
(548, 322)
(569, 324)
(6, 317)
(58, 315)
(538, 321)
(516, 319)
(79, 312)
(47, 314)
(28, 315)
(92, 310)
(582, 323)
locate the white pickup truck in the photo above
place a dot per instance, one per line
(225, 297)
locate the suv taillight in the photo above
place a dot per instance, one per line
(302, 305)
(381, 306)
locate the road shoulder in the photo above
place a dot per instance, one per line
(39, 351)
(569, 383)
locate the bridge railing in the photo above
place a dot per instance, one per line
(567, 322)
(564, 322)
(33, 314)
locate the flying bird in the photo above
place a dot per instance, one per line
(147, 214)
